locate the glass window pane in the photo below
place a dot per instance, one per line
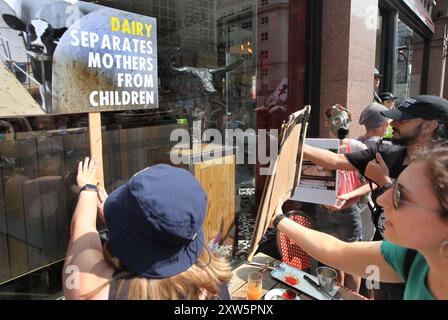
(218, 68)
(409, 63)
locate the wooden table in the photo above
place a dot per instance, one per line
(238, 285)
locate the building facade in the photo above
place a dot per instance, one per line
(404, 39)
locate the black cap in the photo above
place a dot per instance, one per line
(387, 96)
(377, 73)
(425, 107)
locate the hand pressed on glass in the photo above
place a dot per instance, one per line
(87, 172)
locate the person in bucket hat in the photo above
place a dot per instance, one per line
(155, 248)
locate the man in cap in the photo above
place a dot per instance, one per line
(376, 85)
(418, 123)
(388, 99)
(375, 123)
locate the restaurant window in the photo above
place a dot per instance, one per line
(212, 69)
(403, 48)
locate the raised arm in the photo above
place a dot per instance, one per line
(359, 192)
(85, 268)
(327, 159)
(354, 258)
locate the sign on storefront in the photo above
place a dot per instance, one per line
(95, 59)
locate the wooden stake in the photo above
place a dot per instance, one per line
(96, 142)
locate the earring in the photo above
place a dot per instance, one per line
(444, 249)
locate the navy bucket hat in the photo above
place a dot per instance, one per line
(155, 222)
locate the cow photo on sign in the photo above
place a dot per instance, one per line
(40, 38)
(84, 57)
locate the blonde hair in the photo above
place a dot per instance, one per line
(206, 275)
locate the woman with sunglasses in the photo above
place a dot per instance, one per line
(416, 230)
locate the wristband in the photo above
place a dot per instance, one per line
(89, 187)
(277, 220)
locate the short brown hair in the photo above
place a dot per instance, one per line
(436, 161)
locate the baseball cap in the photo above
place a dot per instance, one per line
(371, 116)
(425, 107)
(387, 96)
(377, 73)
(155, 222)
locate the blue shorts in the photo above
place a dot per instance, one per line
(346, 225)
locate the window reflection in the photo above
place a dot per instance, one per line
(410, 52)
(223, 62)
(38, 156)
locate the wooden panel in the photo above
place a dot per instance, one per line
(112, 159)
(76, 147)
(18, 256)
(217, 177)
(35, 199)
(142, 145)
(132, 152)
(96, 144)
(32, 205)
(116, 164)
(15, 219)
(61, 189)
(4, 252)
(282, 182)
(229, 219)
(5, 272)
(107, 157)
(48, 195)
(123, 140)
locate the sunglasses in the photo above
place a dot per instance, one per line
(397, 198)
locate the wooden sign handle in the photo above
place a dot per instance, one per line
(96, 142)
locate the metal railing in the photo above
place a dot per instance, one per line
(14, 66)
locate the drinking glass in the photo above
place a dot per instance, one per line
(254, 285)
